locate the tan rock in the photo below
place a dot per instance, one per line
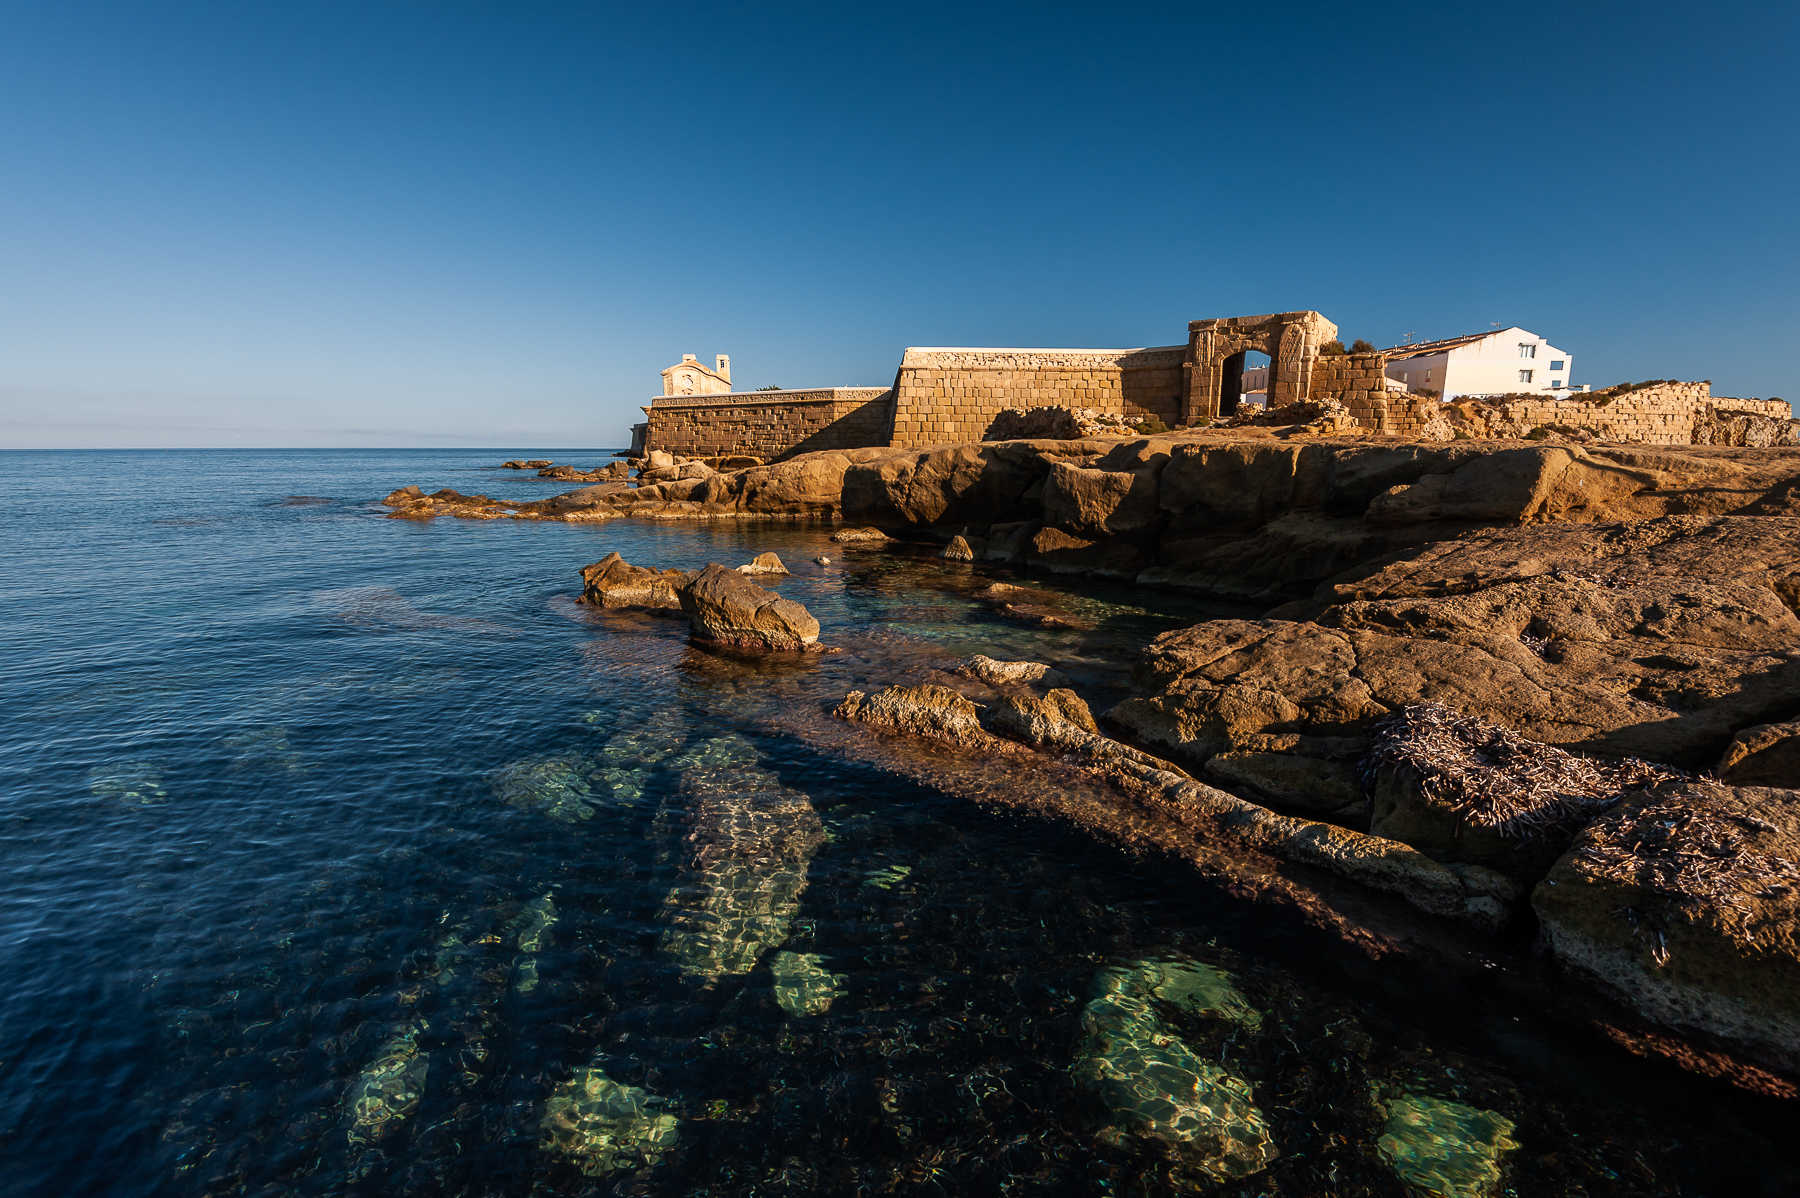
(1687, 906)
(1766, 755)
(613, 582)
(726, 608)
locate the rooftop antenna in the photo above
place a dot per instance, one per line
(1493, 324)
(1408, 339)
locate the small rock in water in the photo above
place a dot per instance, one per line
(822, 560)
(803, 986)
(958, 550)
(604, 1126)
(134, 783)
(763, 563)
(1444, 1149)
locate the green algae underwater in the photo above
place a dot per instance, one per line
(348, 855)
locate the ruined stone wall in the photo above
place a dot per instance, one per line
(770, 424)
(1359, 382)
(1664, 414)
(946, 395)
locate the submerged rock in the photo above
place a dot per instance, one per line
(134, 783)
(552, 786)
(534, 926)
(1156, 1084)
(803, 986)
(746, 855)
(604, 1126)
(387, 1093)
(1444, 1149)
(726, 608)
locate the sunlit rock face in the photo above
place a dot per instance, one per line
(745, 857)
(603, 1126)
(1154, 1082)
(1444, 1149)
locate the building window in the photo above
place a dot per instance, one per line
(1524, 376)
(1555, 383)
(1557, 365)
(1527, 349)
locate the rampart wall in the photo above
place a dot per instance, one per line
(944, 395)
(770, 424)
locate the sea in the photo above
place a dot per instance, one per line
(342, 854)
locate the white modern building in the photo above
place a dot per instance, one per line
(1503, 362)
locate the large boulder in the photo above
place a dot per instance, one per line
(1687, 906)
(726, 608)
(614, 582)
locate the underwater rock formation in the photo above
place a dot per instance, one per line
(387, 1092)
(1444, 1149)
(133, 783)
(803, 986)
(604, 1126)
(745, 857)
(1155, 1083)
(553, 786)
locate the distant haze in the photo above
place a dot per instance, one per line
(468, 224)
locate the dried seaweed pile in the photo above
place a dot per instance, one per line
(1696, 854)
(1494, 778)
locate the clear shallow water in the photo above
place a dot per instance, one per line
(342, 854)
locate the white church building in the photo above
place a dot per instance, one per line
(1502, 362)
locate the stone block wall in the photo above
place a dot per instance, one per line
(1359, 382)
(946, 395)
(770, 424)
(1663, 414)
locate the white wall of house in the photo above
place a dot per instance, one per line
(1502, 363)
(1424, 373)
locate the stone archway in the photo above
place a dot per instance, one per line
(1215, 359)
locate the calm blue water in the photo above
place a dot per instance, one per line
(344, 854)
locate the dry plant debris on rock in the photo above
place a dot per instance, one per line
(1696, 855)
(1494, 778)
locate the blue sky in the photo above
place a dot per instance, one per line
(493, 224)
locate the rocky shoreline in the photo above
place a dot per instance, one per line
(1546, 690)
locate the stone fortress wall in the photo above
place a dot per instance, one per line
(770, 424)
(945, 395)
